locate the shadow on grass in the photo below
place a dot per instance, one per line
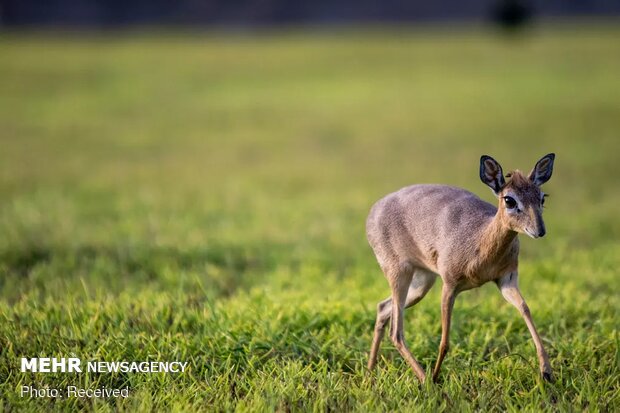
(219, 269)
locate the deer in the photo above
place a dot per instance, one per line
(425, 231)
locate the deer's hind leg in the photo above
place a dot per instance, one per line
(384, 311)
(418, 283)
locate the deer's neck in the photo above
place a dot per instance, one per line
(496, 240)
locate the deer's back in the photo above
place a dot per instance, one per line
(428, 226)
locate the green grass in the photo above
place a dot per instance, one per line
(202, 198)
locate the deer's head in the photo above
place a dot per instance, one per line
(520, 199)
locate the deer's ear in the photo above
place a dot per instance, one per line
(491, 173)
(543, 170)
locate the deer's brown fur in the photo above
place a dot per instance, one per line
(424, 231)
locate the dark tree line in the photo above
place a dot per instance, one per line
(103, 13)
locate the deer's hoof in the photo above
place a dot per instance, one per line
(547, 376)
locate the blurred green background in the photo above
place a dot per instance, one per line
(202, 196)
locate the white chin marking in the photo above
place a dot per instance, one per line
(530, 234)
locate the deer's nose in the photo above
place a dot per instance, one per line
(541, 232)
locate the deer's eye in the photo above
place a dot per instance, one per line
(542, 200)
(510, 202)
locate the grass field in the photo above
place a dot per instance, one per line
(202, 197)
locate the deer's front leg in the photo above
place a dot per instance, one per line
(448, 295)
(510, 290)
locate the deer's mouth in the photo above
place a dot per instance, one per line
(530, 233)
